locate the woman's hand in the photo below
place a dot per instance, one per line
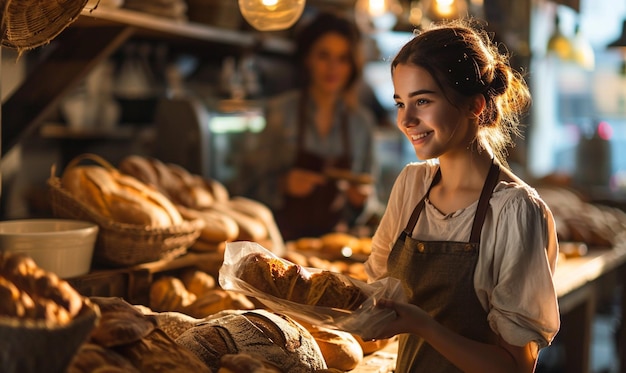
(408, 318)
(357, 194)
(301, 183)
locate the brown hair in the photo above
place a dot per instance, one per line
(464, 61)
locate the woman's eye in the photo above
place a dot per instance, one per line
(399, 105)
(421, 101)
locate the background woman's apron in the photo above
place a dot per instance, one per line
(438, 276)
(319, 212)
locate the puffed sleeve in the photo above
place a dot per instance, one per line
(384, 237)
(523, 305)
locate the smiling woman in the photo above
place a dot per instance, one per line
(473, 245)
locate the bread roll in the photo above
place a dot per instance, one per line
(250, 228)
(215, 301)
(168, 293)
(197, 282)
(279, 339)
(218, 226)
(340, 349)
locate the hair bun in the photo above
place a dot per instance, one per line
(500, 81)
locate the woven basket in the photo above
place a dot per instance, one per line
(27, 24)
(120, 244)
(32, 346)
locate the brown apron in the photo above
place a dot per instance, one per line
(319, 212)
(438, 276)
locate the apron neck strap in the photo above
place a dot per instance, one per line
(483, 203)
(481, 209)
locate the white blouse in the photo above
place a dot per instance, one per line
(518, 251)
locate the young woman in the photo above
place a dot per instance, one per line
(473, 245)
(318, 126)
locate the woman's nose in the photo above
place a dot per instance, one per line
(407, 118)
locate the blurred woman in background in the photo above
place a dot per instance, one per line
(316, 130)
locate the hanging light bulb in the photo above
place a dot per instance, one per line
(381, 13)
(271, 15)
(436, 10)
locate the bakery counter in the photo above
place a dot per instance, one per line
(581, 284)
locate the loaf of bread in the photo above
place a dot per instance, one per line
(293, 282)
(279, 339)
(120, 197)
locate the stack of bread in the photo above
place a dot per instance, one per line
(227, 218)
(43, 320)
(292, 282)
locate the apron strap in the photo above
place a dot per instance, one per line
(420, 206)
(481, 209)
(483, 202)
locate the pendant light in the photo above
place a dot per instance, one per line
(381, 13)
(271, 15)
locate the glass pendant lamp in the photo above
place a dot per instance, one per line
(271, 15)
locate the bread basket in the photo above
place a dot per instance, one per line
(119, 244)
(27, 24)
(30, 346)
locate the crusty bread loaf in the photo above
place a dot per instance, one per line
(292, 282)
(278, 338)
(120, 197)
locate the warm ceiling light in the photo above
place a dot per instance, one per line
(271, 15)
(382, 13)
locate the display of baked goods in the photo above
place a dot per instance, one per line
(579, 220)
(194, 293)
(334, 245)
(227, 218)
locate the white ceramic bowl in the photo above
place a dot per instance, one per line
(64, 247)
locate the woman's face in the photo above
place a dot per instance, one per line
(329, 63)
(430, 122)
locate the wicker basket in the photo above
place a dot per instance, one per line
(27, 24)
(119, 244)
(32, 346)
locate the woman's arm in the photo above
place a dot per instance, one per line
(466, 354)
